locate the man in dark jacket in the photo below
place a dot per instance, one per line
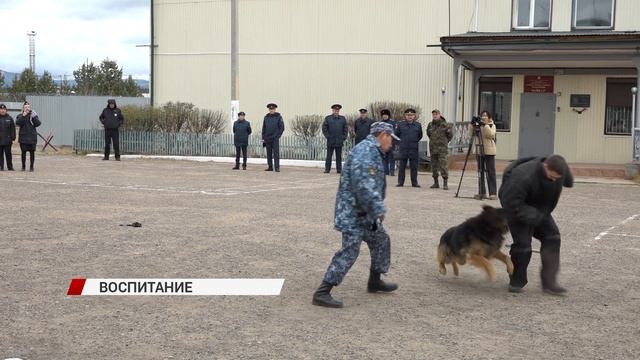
(241, 132)
(7, 137)
(410, 133)
(388, 161)
(28, 121)
(529, 192)
(335, 131)
(362, 126)
(272, 129)
(112, 119)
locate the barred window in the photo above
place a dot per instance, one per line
(618, 106)
(495, 97)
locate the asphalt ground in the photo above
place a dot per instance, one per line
(202, 220)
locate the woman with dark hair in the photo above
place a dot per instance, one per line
(28, 121)
(487, 158)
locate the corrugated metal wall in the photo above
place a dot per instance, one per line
(63, 114)
(306, 55)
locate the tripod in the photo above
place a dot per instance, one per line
(479, 159)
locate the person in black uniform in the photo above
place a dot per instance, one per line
(410, 133)
(388, 161)
(272, 129)
(112, 119)
(241, 132)
(530, 191)
(28, 121)
(7, 137)
(334, 129)
(362, 126)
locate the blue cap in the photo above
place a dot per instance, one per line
(382, 127)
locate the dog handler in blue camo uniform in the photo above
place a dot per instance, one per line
(359, 213)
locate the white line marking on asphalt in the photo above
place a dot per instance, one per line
(294, 185)
(606, 232)
(625, 235)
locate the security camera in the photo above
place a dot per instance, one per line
(443, 90)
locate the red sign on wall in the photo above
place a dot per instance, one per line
(538, 84)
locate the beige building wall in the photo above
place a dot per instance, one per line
(306, 55)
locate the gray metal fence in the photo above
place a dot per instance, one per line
(191, 144)
(221, 145)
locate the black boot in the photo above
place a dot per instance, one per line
(237, 167)
(376, 284)
(322, 296)
(444, 183)
(519, 277)
(435, 185)
(244, 166)
(550, 257)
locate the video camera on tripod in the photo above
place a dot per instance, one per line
(477, 122)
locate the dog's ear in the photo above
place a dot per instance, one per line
(488, 208)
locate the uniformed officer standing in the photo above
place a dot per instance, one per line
(439, 133)
(7, 137)
(410, 133)
(387, 158)
(530, 191)
(334, 129)
(362, 126)
(272, 129)
(241, 132)
(359, 213)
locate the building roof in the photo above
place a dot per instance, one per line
(545, 49)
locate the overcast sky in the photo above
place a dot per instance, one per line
(71, 31)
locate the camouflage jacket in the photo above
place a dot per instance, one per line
(361, 192)
(439, 134)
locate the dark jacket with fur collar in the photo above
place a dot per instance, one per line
(526, 193)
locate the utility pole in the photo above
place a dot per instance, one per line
(32, 50)
(235, 86)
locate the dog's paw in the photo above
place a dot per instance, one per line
(509, 266)
(443, 270)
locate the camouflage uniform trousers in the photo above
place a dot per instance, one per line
(379, 246)
(439, 164)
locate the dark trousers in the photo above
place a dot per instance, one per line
(413, 165)
(330, 151)
(389, 163)
(488, 164)
(379, 248)
(273, 153)
(109, 136)
(242, 148)
(5, 151)
(31, 149)
(549, 235)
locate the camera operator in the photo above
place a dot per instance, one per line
(28, 121)
(485, 132)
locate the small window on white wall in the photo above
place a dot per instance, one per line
(593, 14)
(531, 14)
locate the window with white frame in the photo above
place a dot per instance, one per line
(593, 14)
(531, 14)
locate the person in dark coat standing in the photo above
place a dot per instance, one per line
(335, 131)
(362, 126)
(410, 133)
(7, 137)
(530, 191)
(112, 119)
(241, 132)
(272, 130)
(388, 161)
(28, 121)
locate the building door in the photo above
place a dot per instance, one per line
(537, 124)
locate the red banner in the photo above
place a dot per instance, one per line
(538, 84)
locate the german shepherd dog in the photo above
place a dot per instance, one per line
(477, 240)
